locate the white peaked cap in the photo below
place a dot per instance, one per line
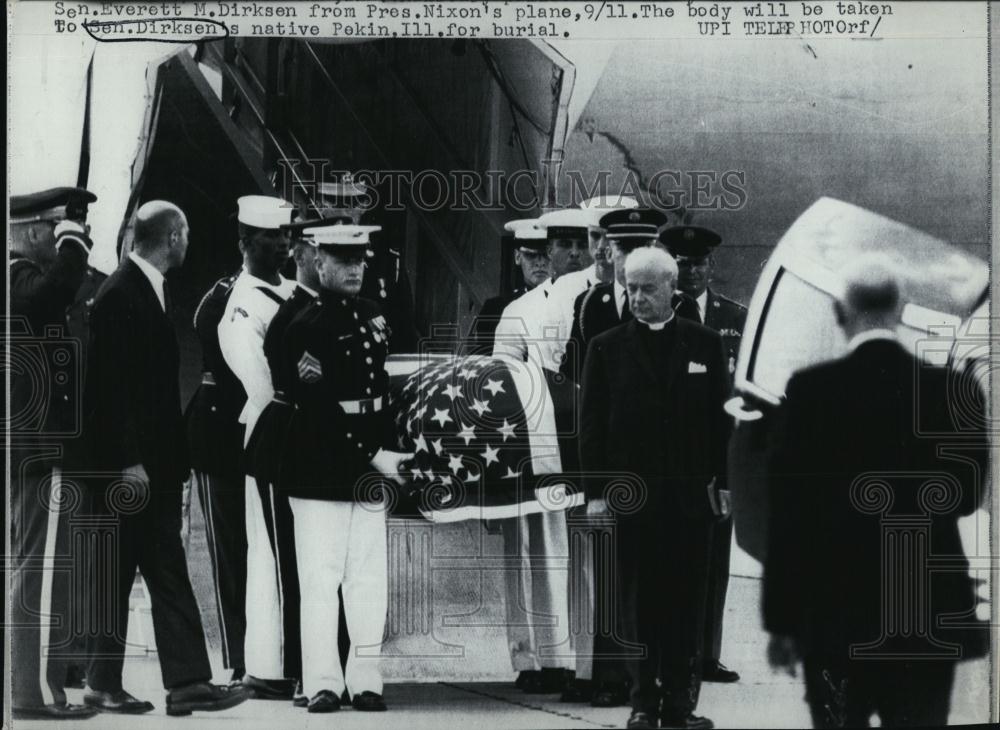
(340, 235)
(525, 229)
(571, 218)
(264, 211)
(609, 202)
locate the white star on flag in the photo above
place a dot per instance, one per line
(468, 433)
(441, 416)
(480, 407)
(471, 477)
(490, 455)
(455, 463)
(419, 443)
(466, 373)
(453, 391)
(438, 446)
(511, 474)
(507, 430)
(417, 474)
(494, 386)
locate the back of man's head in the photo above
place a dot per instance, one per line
(871, 295)
(154, 222)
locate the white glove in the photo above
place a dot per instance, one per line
(390, 464)
(68, 230)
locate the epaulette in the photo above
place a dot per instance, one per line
(724, 298)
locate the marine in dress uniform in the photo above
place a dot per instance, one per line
(538, 612)
(600, 308)
(531, 256)
(136, 453)
(692, 247)
(215, 440)
(338, 460)
(48, 262)
(386, 280)
(272, 657)
(653, 394)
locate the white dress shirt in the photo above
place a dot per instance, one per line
(525, 330)
(153, 274)
(621, 296)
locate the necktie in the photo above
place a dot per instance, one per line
(626, 312)
(686, 306)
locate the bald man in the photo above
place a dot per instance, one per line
(652, 411)
(134, 436)
(859, 448)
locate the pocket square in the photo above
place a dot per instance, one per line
(696, 367)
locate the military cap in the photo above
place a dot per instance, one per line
(345, 193)
(633, 223)
(527, 234)
(691, 241)
(51, 204)
(606, 203)
(264, 211)
(340, 236)
(574, 223)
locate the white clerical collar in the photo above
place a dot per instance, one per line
(878, 333)
(153, 274)
(656, 327)
(620, 295)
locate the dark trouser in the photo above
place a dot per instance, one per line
(223, 502)
(718, 583)
(663, 564)
(611, 649)
(42, 609)
(846, 693)
(127, 534)
(281, 533)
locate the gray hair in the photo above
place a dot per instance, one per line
(654, 259)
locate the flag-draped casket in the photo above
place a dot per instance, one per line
(491, 437)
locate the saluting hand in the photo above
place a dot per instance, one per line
(310, 370)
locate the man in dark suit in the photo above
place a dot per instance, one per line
(869, 478)
(531, 258)
(653, 394)
(692, 247)
(49, 246)
(133, 428)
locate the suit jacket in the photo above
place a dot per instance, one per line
(132, 406)
(857, 442)
(668, 428)
(728, 318)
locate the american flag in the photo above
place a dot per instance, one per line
(467, 420)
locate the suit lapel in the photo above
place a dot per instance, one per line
(678, 356)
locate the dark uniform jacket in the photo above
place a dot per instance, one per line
(269, 440)
(594, 312)
(728, 318)
(386, 282)
(484, 327)
(215, 436)
(330, 449)
(664, 425)
(857, 448)
(132, 408)
(48, 407)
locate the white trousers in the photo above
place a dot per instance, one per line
(536, 547)
(341, 544)
(263, 644)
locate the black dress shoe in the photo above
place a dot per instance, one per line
(690, 722)
(609, 695)
(579, 690)
(324, 701)
(345, 697)
(269, 689)
(54, 712)
(719, 672)
(368, 702)
(237, 677)
(118, 701)
(299, 698)
(204, 697)
(639, 720)
(549, 681)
